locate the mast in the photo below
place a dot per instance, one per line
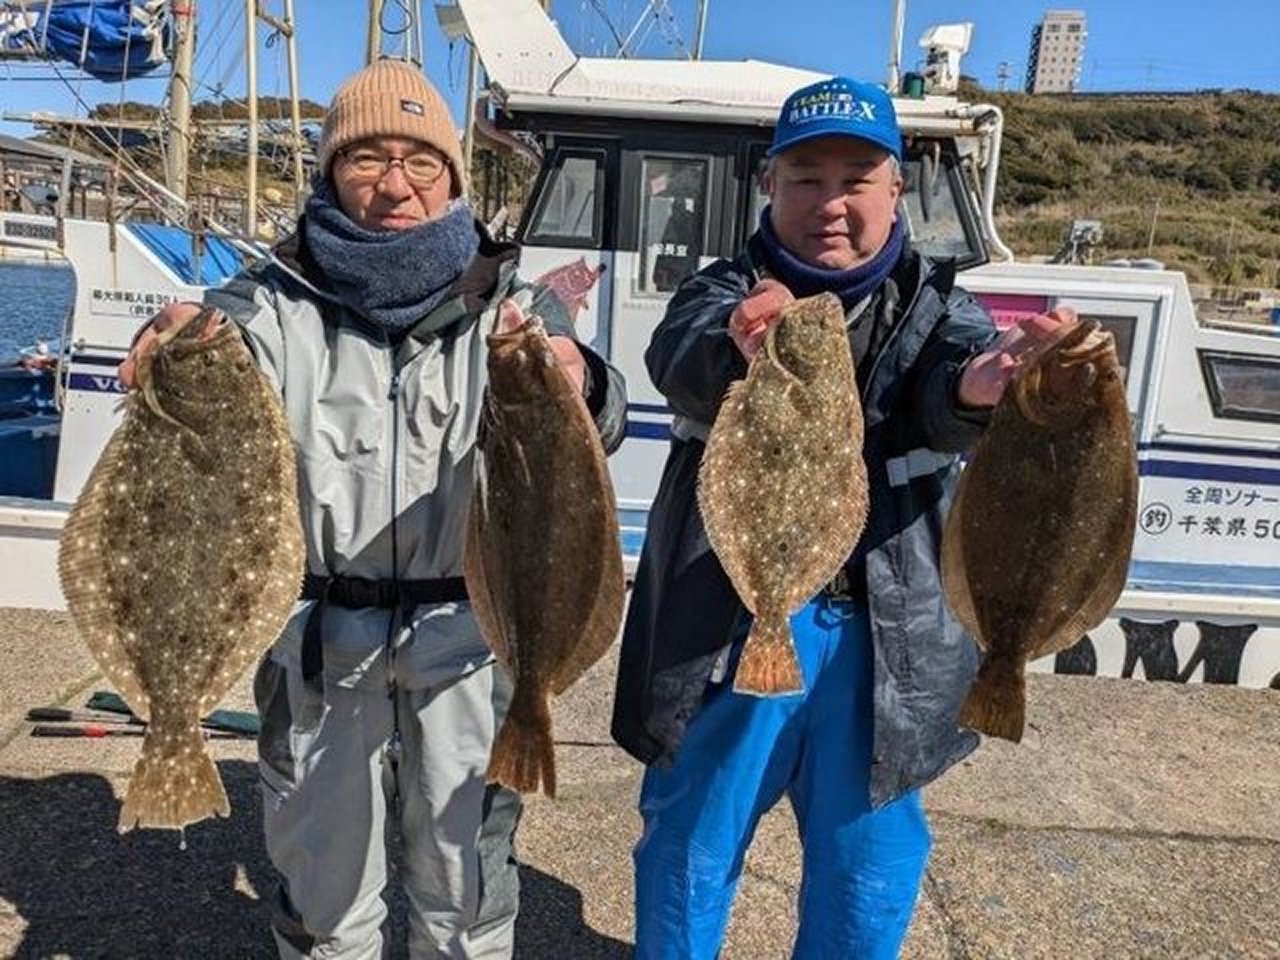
(408, 35)
(286, 28)
(251, 100)
(184, 28)
(702, 29)
(373, 45)
(468, 133)
(895, 49)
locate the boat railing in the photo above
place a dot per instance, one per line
(1261, 328)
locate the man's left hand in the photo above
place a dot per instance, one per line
(985, 377)
(568, 356)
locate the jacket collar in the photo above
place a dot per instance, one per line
(473, 291)
(913, 272)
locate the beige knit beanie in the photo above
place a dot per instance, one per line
(390, 98)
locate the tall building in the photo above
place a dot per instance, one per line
(1057, 49)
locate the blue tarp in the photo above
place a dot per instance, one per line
(111, 40)
(219, 260)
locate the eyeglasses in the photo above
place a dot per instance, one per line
(370, 166)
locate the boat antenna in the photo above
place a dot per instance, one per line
(702, 29)
(895, 47)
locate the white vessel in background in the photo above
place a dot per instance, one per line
(648, 170)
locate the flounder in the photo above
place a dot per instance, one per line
(783, 486)
(1036, 546)
(543, 559)
(183, 556)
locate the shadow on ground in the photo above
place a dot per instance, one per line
(551, 923)
(83, 890)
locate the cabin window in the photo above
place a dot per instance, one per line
(931, 202)
(759, 199)
(1242, 387)
(673, 220)
(570, 210)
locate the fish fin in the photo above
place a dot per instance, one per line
(1109, 585)
(174, 783)
(955, 581)
(524, 755)
(602, 624)
(768, 664)
(86, 539)
(997, 701)
(480, 590)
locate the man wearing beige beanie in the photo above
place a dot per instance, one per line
(380, 701)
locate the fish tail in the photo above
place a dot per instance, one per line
(174, 783)
(523, 755)
(997, 701)
(768, 664)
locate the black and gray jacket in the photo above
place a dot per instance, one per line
(684, 610)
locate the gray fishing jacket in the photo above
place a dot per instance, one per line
(385, 434)
(684, 611)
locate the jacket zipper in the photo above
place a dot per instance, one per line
(393, 395)
(894, 334)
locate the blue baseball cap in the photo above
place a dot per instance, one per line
(839, 107)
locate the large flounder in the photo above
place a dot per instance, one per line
(543, 559)
(183, 556)
(783, 486)
(1036, 546)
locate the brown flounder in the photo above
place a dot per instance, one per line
(1036, 546)
(783, 486)
(183, 556)
(543, 560)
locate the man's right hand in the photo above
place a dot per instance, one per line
(146, 342)
(753, 317)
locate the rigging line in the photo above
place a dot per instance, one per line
(604, 15)
(382, 18)
(233, 30)
(234, 65)
(124, 71)
(128, 161)
(213, 30)
(210, 54)
(669, 28)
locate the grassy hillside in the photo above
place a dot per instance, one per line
(1212, 162)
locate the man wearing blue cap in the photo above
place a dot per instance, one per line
(885, 666)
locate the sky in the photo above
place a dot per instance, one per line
(1131, 45)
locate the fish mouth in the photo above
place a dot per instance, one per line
(1087, 343)
(146, 367)
(533, 324)
(1083, 344)
(525, 342)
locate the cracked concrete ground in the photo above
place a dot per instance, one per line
(1135, 820)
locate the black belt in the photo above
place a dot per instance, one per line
(846, 585)
(358, 592)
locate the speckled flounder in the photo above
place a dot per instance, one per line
(543, 561)
(183, 556)
(1036, 547)
(783, 486)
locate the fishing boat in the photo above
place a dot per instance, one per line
(648, 170)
